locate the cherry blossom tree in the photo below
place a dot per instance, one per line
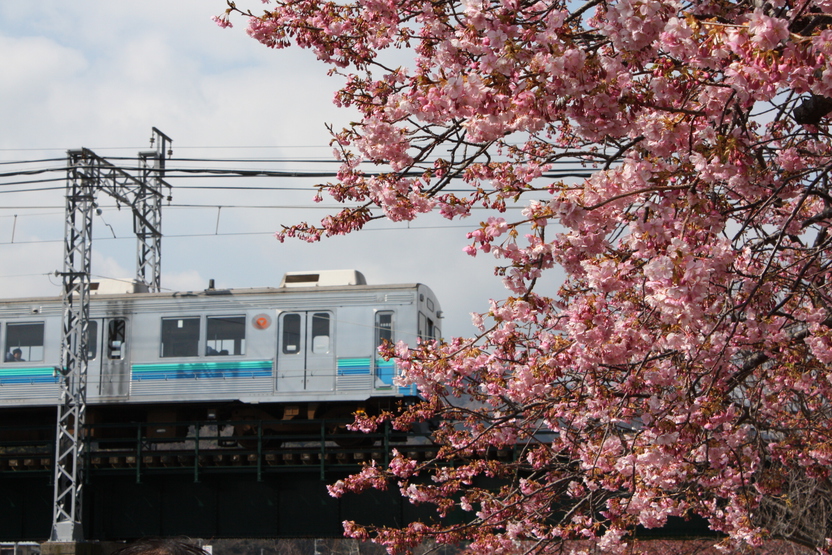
(682, 369)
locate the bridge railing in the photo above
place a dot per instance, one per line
(198, 447)
(27, 447)
(211, 446)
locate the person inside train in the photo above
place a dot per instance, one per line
(15, 356)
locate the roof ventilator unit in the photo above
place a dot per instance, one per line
(118, 287)
(323, 278)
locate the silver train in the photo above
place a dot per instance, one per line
(305, 350)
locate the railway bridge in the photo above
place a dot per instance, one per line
(139, 482)
(224, 480)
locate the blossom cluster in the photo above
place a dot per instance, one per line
(682, 368)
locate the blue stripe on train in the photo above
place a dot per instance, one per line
(353, 366)
(202, 370)
(16, 376)
(385, 372)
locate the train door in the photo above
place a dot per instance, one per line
(94, 357)
(306, 352)
(114, 363)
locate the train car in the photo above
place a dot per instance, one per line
(302, 351)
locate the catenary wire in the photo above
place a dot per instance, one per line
(185, 173)
(227, 234)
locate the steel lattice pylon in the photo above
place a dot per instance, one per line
(80, 200)
(147, 210)
(87, 174)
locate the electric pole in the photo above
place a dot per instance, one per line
(87, 175)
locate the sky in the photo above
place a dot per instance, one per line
(101, 74)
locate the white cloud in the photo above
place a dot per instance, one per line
(28, 270)
(35, 65)
(105, 267)
(100, 74)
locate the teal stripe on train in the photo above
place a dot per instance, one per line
(385, 369)
(353, 366)
(202, 370)
(16, 375)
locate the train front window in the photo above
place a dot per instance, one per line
(320, 333)
(226, 335)
(180, 337)
(24, 342)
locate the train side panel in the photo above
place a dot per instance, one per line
(173, 362)
(301, 349)
(33, 378)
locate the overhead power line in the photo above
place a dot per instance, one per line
(43, 175)
(42, 160)
(172, 172)
(231, 234)
(178, 148)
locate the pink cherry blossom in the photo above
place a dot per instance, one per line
(663, 349)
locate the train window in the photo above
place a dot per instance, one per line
(320, 333)
(24, 342)
(180, 337)
(426, 329)
(291, 334)
(92, 340)
(385, 370)
(226, 335)
(116, 336)
(384, 327)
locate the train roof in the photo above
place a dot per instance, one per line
(292, 282)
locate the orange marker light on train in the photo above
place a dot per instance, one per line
(262, 321)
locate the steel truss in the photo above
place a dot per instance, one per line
(87, 175)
